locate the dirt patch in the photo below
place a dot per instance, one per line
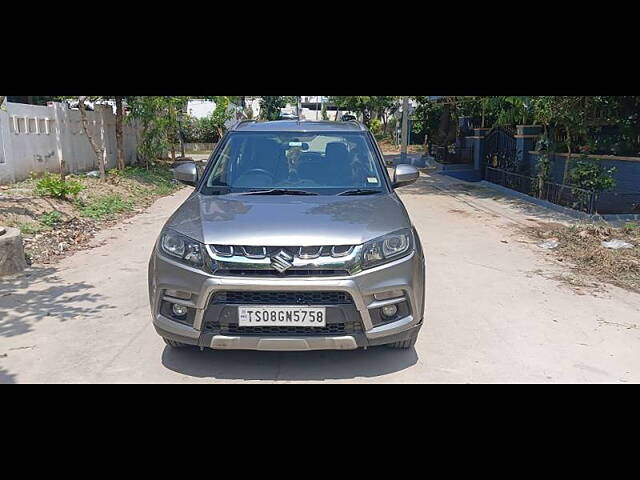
(580, 247)
(462, 213)
(54, 228)
(390, 148)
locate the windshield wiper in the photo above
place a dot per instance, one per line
(360, 191)
(278, 191)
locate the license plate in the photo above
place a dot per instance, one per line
(267, 316)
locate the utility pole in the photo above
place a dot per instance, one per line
(405, 125)
(183, 110)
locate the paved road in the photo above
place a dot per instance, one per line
(496, 311)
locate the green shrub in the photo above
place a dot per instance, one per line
(376, 127)
(589, 175)
(104, 207)
(51, 218)
(52, 186)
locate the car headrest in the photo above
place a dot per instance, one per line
(266, 154)
(337, 151)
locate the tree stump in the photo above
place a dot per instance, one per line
(12, 259)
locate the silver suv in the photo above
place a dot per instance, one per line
(293, 239)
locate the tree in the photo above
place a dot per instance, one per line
(384, 107)
(363, 105)
(369, 107)
(270, 106)
(99, 150)
(427, 117)
(119, 133)
(223, 112)
(562, 112)
(160, 118)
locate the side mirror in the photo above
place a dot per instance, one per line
(405, 175)
(186, 173)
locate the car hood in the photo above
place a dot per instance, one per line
(288, 220)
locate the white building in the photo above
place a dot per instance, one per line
(200, 108)
(203, 108)
(312, 108)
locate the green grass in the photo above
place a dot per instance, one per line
(632, 228)
(104, 207)
(29, 228)
(51, 219)
(158, 179)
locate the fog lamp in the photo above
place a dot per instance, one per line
(179, 310)
(390, 311)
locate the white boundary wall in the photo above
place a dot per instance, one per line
(34, 138)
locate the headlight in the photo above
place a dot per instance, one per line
(182, 248)
(387, 248)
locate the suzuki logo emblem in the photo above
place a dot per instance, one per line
(282, 261)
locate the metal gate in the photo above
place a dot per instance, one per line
(500, 149)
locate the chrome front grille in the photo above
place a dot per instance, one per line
(303, 252)
(248, 272)
(294, 261)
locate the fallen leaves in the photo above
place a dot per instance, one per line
(585, 248)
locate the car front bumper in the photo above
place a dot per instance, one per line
(407, 275)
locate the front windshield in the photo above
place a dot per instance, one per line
(327, 163)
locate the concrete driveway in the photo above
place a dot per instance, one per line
(497, 311)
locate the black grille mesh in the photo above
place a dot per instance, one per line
(283, 298)
(331, 329)
(221, 326)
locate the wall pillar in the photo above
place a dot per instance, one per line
(526, 138)
(477, 142)
(7, 167)
(62, 131)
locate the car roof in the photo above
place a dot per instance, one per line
(298, 126)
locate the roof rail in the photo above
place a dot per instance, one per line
(240, 122)
(360, 124)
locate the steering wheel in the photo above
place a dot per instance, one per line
(259, 171)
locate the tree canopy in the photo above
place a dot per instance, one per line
(368, 107)
(271, 106)
(597, 124)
